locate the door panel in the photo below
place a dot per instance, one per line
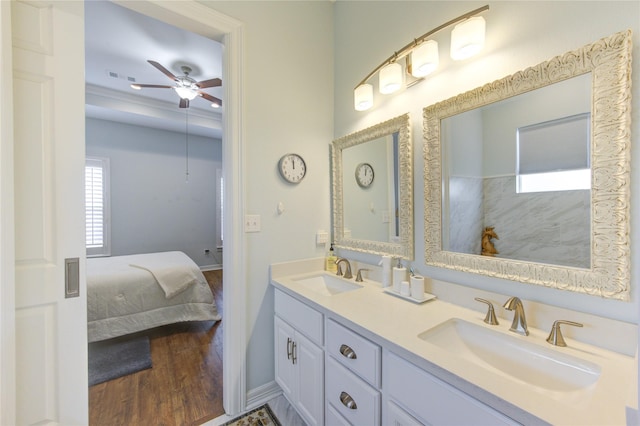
(51, 340)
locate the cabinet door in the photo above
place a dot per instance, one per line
(309, 361)
(284, 368)
(396, 416)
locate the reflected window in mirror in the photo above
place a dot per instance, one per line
(554, 155)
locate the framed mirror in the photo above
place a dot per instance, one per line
(373, 189)
(563, 124)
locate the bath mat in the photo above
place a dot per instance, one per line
(261, 416)
(113, 358)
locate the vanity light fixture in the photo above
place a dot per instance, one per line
(390, 78)
(363, 97)
(467, 39)
(424, 59)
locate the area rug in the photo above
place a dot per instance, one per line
(113, 358)
(261, 416)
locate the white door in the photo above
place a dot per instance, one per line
(310, 369)
(51, 330)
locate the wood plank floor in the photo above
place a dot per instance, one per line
(184, 387)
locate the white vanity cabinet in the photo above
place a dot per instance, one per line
(334, 376)
(299, 357)
(430, 400)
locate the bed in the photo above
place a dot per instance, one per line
(127, 294)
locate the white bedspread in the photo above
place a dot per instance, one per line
(122, 299)
(171, 271)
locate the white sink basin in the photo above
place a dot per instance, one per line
(513, 356)
(327, 284)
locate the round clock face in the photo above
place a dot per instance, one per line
(364, 174)
(292, 168)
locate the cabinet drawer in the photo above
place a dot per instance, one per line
(345, 388)
(354, 352)
(334, 418)
(305, 319)
(433, 400)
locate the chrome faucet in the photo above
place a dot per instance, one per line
(347, 273)
(519, 324)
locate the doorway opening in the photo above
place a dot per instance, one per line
(232, 402)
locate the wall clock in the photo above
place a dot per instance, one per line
(292, 168)
(364, 175)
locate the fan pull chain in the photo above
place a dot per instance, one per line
(186, 132)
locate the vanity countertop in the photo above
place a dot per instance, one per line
(396, 323)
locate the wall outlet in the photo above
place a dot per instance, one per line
(322, 237)
(251, 223)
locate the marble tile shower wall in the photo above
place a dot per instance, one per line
(545, 227)
(466, 216)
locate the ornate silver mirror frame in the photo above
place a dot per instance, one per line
(609, 62)
(404, 247)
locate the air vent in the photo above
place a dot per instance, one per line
(114, 74)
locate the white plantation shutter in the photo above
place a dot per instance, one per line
(97, 206)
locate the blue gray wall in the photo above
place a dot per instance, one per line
(153, 208)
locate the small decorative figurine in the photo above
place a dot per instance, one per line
(487, 246)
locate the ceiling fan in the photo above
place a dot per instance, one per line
(186, 87)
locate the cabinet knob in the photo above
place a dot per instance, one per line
(347, 352)
(347, 401)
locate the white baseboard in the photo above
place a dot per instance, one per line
(210, 268)
(260, 395)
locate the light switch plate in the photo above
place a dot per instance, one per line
(251, 223)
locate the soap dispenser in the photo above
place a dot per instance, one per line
(399, 275)
(330, 261)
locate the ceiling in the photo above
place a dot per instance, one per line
(118, 43)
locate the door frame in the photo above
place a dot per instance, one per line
(203, 20)
(7, 238)
(200, 19)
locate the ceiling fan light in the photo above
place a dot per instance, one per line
(215, 105)
(136, 87)
(363, 97)
(424, 59)
(467, 38)
(390, 78)
(186, 92)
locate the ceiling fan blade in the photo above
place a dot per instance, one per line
(184, 103)
(210, 98)
(214, 82)
(163, 70)
(154, 86)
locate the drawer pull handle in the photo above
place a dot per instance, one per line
(347, 352)
(289, 351)
(347, 401)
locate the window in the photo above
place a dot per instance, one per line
(97, 213)
(554, 156)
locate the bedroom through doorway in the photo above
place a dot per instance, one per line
(164, 192)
